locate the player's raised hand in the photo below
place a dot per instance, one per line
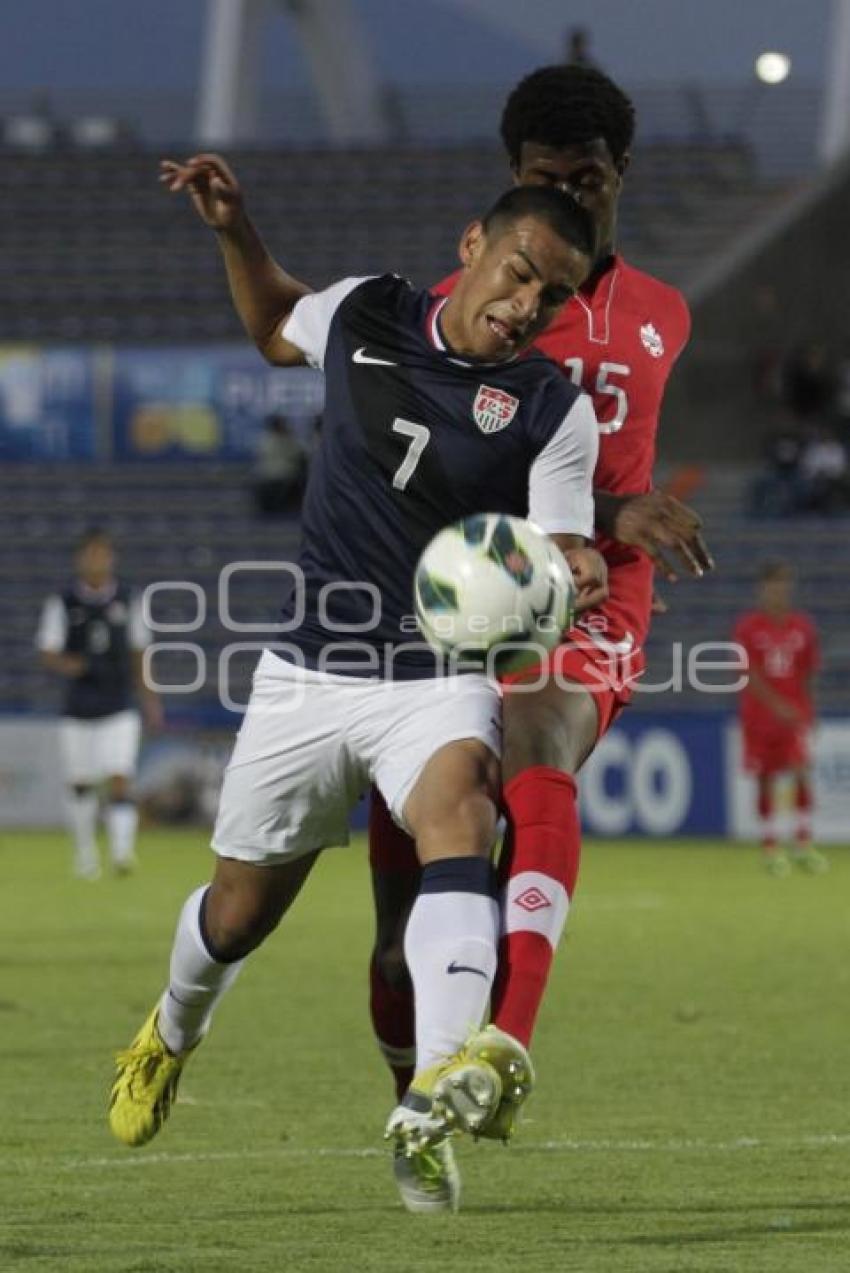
(666, 529)
(590, 574)
(211, 185)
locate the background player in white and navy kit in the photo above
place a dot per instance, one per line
(92, 634)
(352, 695)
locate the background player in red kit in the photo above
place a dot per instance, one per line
(569, 127)
(777, 711)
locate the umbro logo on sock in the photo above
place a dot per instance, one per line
(532, 899)
(453, 967)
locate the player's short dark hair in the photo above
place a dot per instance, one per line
(772, 570)
(567, 106)
(561, 211)
(93, 535)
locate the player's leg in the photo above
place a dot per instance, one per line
(436, 763)
(395, 884)
(548, 734)
(287, 792)
(76, 747)
(450, 939)
(218, 927)
(774, 856)
(450, 949)
(122, 819)
(805, 853)
(766, 810)
(763, 761)
(118, 750)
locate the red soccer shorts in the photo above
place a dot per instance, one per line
(775, 751)
(602, 671)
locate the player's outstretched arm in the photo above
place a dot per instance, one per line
(667, 530)
(264, 294)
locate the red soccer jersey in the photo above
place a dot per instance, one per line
(618, 339)
(785, 651)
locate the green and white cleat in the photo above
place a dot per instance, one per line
(777, 863)
(460, 1094)
(513, 1065)
(428, 1180)
(812, 860)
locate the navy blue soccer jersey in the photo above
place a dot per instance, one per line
(103, 626)
(414, 437)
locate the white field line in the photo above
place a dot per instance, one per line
(739, 1144)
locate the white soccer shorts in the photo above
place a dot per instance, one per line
(312, 742)
(106, 747)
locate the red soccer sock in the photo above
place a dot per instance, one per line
(393, 1022)
(541, 869)
(803, 804)
(764, 804)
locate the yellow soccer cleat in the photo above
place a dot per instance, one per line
(459, 1094)
(145, 1085)
(428, 1180)
(513, 1065)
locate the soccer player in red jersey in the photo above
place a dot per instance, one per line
(569, 127)
(777, 711)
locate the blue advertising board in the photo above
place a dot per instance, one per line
(657, 775)
(205, 401)
(47, 403)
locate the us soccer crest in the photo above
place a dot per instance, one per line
(493, 409)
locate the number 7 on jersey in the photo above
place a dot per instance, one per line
(420, 436)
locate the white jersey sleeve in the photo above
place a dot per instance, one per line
(138, 632)
(560, 484)
(52, 630)
(310, 321)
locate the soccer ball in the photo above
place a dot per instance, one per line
(494, 590)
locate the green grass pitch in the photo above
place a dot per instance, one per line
(692, 1109)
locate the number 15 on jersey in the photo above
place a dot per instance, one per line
(604, 385)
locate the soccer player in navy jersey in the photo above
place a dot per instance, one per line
(570, 128)
(92, 634)
(348, 697)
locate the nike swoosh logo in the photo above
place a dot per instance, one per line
(361, 356)
(453, 967)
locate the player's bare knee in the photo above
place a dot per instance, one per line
(234, 926)
(464, 827)
(240, 911)
(119, 788)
